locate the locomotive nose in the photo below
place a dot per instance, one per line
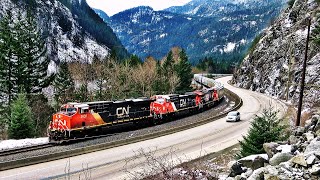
(60, 122)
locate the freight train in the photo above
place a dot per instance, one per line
(79, 120)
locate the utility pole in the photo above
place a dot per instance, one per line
(303, 75)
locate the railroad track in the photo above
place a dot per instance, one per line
(47, 145)
(24, 149)
(79, 139)
(97, 147)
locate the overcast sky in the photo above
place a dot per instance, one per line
(112, 7)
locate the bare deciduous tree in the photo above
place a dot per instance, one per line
(154, 167)
(173, 82)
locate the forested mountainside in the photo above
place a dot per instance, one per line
(205, 28)
(274, 66)
(71, 29)
(219, 8)
(103, 15)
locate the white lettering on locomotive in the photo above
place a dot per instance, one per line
(61, 123)
(183, 102)
(122, 111)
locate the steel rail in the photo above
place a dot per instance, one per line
(7, 152)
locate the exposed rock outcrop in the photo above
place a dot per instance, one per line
(286, 161)
(274, 66)
(66, 39)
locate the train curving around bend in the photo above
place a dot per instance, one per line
(79, 120)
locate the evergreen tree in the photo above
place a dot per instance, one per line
(23, 65)
(168, 64)
(41, 113)
(82, 94)
(184, 72)
(265, 128)
(134, 61)
(7, 54)
(99, 70)
(315, 35)
(159, 85)
(21, 125)
(32, 54)
(64, 85)
(211, 66)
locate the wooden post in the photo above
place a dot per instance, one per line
(303, 76)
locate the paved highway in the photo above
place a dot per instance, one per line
(116, 163)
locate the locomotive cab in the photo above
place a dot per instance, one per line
(68, 109)
(164, 104)
(199, 98)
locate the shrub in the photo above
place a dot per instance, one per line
(264, 128)
(254, 43)
(315, 35)
(21, 125)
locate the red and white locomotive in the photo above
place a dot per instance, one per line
(174, 104)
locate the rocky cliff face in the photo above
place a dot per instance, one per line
(65, 38)
(274, 67)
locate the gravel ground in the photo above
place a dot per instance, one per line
(224, 106)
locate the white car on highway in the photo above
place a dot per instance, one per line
(233, 116)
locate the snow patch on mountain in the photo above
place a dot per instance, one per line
(229, 47)
(71, 45)
(203, 32)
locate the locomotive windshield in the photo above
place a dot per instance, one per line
(160, 100)
(69, 110)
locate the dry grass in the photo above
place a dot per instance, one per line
(290, 116)
(304, 117)
(210, 166)
(207, 167)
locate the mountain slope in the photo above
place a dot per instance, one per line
(94, 25)
(104, 16)
(274, 67)
(63, 28)
(223, 31)
(219, 8)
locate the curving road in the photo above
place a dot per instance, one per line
(127, 161)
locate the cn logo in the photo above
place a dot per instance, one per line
(61, 123)
(122, 111)
(183, 102)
